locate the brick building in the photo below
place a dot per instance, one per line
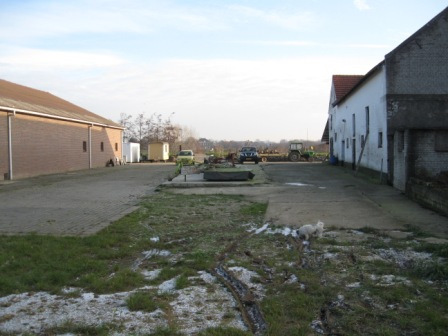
(394, 119)
(43, 134)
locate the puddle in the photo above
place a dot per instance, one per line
(299, 184)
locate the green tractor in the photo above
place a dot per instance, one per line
(296, 151)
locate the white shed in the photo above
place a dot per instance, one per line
(131, 152)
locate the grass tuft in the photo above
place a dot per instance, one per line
(141, 301)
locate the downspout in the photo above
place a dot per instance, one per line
(90, 146)
(10, 171)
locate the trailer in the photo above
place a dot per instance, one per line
(295, 153)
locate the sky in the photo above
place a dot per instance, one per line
(229, 70)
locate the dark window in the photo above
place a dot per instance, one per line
(116, 146)
(441, 141)
(102, 146)
(354, 124)
(367, 119)
(380, 139)
(84, 146)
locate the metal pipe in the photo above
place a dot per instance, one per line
(90, 146)
(10, 171)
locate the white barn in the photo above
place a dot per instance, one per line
(394, 120)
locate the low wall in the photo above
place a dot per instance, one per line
(429, 195)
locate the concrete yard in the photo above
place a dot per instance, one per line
(83, 202)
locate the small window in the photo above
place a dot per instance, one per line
(367, 119)
(380, 139)
(362, 140)
(84, 146)
(354, 124)
(102, 146)
(116, 146)
(347, 142)
(335, 137)
(441, 141)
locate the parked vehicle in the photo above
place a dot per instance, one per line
(295, 153)
(248, 154)
(185, 156)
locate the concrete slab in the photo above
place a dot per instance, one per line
(77, 203)
(301, 193)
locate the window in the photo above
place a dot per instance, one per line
(354, 124)
(102, 146)
(84, 146)
(441, 141)
(367, 119)
(362, 140)
(335, 137)
(331, 122)
(116, 146)
(348, 143)
(380, 139)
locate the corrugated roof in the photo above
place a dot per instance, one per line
(25, 98)
(344, 83)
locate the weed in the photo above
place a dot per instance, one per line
(166, 332)
(416, 231)
(221, 331)
(432, 270)
(368, 229)
(141, 301)
(182, 282)
(254, 209)
(71, 327)
(440, 250)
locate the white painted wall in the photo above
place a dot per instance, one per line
(131, 151)
(371, 94)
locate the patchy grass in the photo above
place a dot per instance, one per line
(71, 327)
(223, 332)
(340, 286)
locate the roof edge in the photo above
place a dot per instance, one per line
(374, 70)
(50, 116)
(413, 36)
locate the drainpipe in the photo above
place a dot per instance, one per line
(10, 172)
(90, 146)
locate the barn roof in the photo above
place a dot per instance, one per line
(28, 100)
(344, 83)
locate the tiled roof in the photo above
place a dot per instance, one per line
(344, 83)
(25, 98)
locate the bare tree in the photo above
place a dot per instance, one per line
(126, 121)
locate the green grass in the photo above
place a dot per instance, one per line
(141, 301)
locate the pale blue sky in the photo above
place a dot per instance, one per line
(230, 70)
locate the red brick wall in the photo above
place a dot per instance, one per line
(46, 146)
